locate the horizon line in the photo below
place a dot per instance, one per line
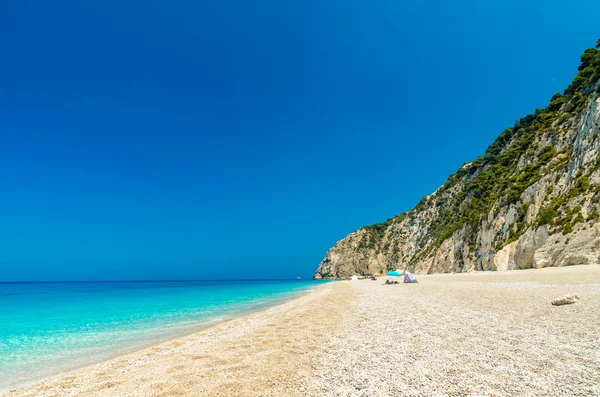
(149, 281)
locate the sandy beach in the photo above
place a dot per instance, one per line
(486, 334)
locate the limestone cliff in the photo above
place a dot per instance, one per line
(533, 200)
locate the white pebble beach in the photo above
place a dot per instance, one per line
(475, 334)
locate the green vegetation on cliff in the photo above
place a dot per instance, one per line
(511, 164)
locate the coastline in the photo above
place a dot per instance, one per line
(481, 333)
(196, 346)
(146, 338)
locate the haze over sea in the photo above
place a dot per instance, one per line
(48, 328)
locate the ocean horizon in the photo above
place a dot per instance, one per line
(56, 326)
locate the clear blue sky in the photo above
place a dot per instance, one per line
(205, 139)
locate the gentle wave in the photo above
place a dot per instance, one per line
(56, 327)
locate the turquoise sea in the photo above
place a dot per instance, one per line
(49, 328)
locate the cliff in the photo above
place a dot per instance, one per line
(531, 201)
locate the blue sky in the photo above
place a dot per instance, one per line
(205, 139)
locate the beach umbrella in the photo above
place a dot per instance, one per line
(394, 274)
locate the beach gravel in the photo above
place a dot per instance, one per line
(478, 334)
(475, 334)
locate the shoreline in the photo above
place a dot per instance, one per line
(260, 313)
(151, 342)
(480, 333)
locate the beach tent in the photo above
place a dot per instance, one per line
(394, 274)
(409, 278)
(354, 278)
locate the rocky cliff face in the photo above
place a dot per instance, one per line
(533, 200)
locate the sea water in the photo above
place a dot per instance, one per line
(49, 328)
